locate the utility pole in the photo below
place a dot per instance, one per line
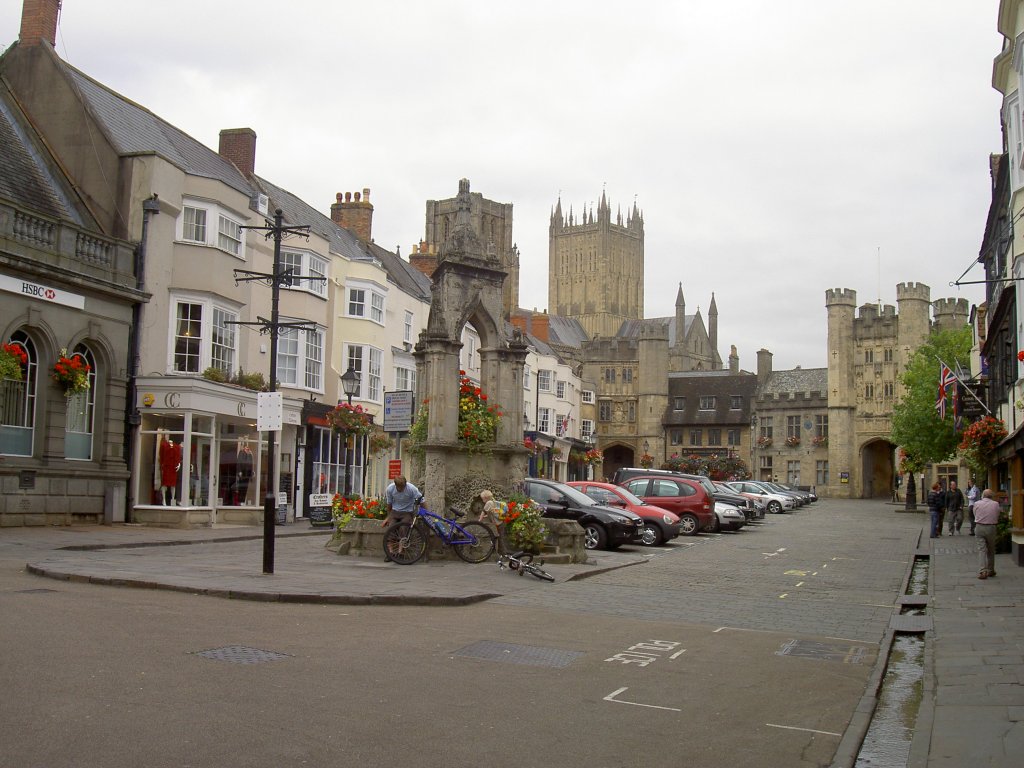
(273, 326)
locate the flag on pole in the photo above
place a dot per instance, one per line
(945, 379)
(946, 376)
(940, 404)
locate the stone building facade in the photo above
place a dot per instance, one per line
(492, 220)
(868, 349)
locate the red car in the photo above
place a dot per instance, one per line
(686, 498)
(660, 525)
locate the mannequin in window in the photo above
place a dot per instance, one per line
(170, 462)
(245, 464)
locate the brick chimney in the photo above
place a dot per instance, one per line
(39, 22)
(541, 326)
(354, 213)
(239, 146)
(423, 257)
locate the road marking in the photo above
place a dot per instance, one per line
(739, 629)
(611, 697)
(808, 730)
(783, 595)
(795, 573)
(799, 584)
(677, 654)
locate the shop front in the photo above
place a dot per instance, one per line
(200, 459)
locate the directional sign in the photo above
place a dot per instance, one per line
(398, 411)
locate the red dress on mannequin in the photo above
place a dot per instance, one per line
(170, 460)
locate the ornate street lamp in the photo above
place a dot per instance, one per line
(350, 385)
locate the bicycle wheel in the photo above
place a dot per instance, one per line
(540, 573)
(404, 543)
(481, 550)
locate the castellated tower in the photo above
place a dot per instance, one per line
(652, 397)
(841, 305)
(491, 220)
(596, 267)
(950, 313)
(868, 349)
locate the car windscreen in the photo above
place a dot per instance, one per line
(629, 497)
(576, 496)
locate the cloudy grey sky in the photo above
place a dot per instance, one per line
(776, 149)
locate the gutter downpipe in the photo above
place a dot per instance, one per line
(132, 417)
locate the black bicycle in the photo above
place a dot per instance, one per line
(522, 563)
(405, 543)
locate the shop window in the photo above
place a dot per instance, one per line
(18, 402)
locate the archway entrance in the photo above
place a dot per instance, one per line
(616, 457)
(878, 470)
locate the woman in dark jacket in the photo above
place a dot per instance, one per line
(935, 503)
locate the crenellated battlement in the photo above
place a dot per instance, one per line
(840, 297)
(913, 292)
(948, 307)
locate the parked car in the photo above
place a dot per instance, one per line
(687, 498)
(808, 496)
(775, 503)
(660, 525)
(729, 517)
(801, 500)
(745, 504)
(605, 527)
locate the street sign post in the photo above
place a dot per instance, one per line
(398, 410)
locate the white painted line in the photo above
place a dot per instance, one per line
(808, 730)
(677, 654)
(611, 697)
(740, 629)
(799, 584)
(848, 640)
(783, 549)
(783, 595)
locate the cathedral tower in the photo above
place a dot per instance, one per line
(596, 267)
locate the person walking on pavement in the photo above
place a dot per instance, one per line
(986, 515)
(954, 507)
(934, 509)
(972, 497)
(941, 507)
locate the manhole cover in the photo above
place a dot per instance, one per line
(847, 654)
(910, 622)
(240, 654)
(510, 653)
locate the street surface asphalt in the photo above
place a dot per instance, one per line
(763, 647)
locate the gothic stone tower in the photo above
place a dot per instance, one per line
(867, 351)
(596, 268)
(493, 223)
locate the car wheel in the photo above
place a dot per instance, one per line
(774, 507)
(651, 535)
(594, 536)
(689, 525)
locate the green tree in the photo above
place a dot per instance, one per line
(916, 426)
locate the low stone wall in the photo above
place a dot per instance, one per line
(365, 538)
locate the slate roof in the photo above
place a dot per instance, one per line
(27, 177)
(722, 385)
(631, 329)
(797, 380)
(133, 129)
(566, 331)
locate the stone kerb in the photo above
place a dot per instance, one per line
(365, 538)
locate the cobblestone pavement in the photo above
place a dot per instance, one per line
(833, 568)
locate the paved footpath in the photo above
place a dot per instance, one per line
(972, 712)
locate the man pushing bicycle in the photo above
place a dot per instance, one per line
(403, 499)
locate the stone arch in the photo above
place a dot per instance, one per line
(878, 469)
(616, 456)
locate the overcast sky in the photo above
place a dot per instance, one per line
(775, 149)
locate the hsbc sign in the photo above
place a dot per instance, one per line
(40, 292)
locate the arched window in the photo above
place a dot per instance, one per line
(18, 400)
(78, 425)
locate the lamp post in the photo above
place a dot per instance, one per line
(350, 385)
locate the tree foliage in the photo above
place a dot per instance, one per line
(916, 426)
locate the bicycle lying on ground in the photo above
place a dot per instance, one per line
(522, 562)
(405, 543)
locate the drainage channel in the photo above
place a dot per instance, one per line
(889, 736)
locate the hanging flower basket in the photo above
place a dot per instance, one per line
(379, 442)
(979, 443)
(593, 456)
(71, 373)
(647, 461)
(13, 361)
(350, 419)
